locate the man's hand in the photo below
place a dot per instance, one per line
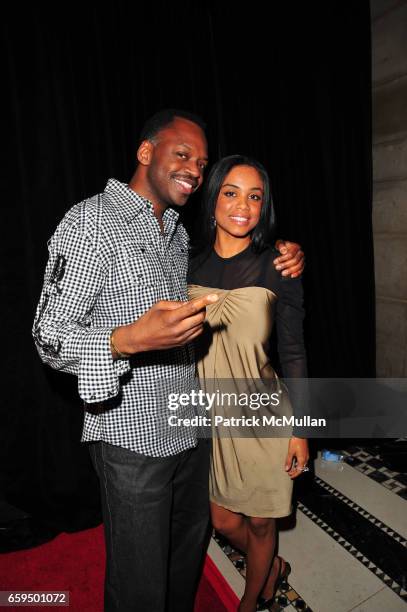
(297, 456)
(292, 260)
(165, 325)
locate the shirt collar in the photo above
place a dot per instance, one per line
(133, 204)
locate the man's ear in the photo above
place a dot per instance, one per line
(145, 153)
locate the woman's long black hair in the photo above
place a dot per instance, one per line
(262, 234)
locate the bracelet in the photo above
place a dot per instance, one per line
(113, 347)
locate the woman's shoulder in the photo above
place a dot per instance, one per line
(268, 252)
(267, 257)
(284, 287)
(197, 259)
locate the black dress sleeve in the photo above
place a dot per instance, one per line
(289, 324)
(290, 343)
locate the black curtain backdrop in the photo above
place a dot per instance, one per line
(290, 86)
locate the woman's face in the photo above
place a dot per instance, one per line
(239, 202)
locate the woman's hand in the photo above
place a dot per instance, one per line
(297, 456)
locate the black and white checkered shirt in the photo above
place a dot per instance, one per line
(108, 264)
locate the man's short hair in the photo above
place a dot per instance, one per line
(164, 118)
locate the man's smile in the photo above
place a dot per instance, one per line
(185, 185)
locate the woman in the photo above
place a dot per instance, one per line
(250, 477)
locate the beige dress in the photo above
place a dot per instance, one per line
(247, 474)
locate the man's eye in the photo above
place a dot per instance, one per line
(182, 155)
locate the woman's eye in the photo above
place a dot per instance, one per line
(256, 197)
(229, 194)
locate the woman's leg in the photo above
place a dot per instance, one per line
(257, 538)
(261, 543)
(230, 524)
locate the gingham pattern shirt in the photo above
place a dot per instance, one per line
(108, 264)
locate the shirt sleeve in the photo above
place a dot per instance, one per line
(63, 328)
(290, 343)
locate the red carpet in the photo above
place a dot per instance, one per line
(75, 563)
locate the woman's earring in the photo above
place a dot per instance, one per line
(213, 221)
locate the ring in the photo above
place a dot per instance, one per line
(303, 469)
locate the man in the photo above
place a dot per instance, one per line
(114, 311)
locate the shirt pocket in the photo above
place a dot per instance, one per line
(142, 265)
(134, 269)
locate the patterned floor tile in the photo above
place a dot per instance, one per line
(368, 461)
(287, 598)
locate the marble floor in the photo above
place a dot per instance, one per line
(346, 541)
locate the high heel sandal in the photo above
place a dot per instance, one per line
(265, 604)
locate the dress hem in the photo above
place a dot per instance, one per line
(276, 514)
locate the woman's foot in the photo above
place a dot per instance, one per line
(279, 572)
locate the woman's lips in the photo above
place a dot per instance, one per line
(239, 219)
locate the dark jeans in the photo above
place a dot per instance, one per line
(156, 520)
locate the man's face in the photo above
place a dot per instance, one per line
(178, 160)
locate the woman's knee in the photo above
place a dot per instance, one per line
(226, 523)
(261, 527)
